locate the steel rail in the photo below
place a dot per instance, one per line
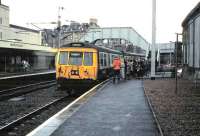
(25, 86)
(11, 125)
(13, 92)
(5, 129)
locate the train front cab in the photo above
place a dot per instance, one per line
(76, 68)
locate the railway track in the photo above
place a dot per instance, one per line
(15, 127)
(21, 90)
(24, 122)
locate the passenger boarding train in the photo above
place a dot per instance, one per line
(81, 64)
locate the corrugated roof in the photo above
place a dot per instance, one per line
(195, 11)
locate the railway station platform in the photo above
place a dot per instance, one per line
(116, 110)
(21, 74)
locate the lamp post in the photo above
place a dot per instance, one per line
(59, 24)
(153, 39)
(170, 53)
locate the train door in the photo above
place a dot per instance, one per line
(90, 65)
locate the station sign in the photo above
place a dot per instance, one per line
(16, 45)
(24, 46)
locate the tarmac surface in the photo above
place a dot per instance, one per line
(117, 110)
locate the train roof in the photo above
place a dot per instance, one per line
(90, 45)
(99, 48)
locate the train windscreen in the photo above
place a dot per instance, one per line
(88, 58)
(63, 58)
(75, 58)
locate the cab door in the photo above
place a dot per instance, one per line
(90, 65)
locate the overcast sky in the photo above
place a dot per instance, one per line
(123, 13)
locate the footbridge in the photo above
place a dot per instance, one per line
(129, 34)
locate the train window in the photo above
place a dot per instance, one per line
(105, 59)
(108, 58)
(75, 58)
(88, 58)
(63, 59)
(111, 60)
(101, 59)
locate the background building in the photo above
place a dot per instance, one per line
(191, 43)
(120, 38)
(93, 23)
(10, 33)
(165, 54)
(18, 44)
(68, 33)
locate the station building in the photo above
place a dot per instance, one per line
(19, 44)
(191, 43)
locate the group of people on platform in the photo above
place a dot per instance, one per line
(127, 69)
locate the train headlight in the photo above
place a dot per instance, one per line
(74, 72)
